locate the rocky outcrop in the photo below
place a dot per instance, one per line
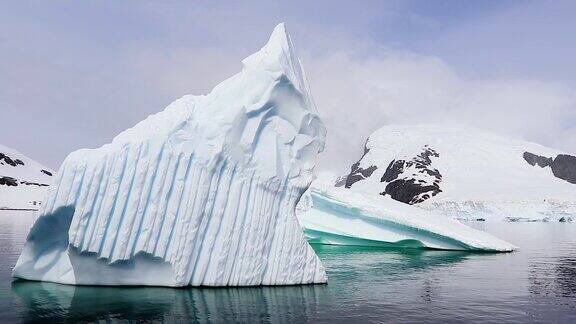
(563, 165)
(8, 181)
(408, 180)
(357, 173)
(5, 159)
(534, 159)
(411, 192)
(28, 183)
(413, 181)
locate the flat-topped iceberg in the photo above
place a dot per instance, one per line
(202, 193)
(338, 216)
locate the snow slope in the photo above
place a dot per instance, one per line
(466, 173)
(342, 217)
(23, 181)
(202, 193)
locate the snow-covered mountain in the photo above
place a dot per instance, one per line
(466, 173)
(23, 181)
(202, 193)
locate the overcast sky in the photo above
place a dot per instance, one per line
(74, 74)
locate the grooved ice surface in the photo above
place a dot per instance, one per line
(202, 193)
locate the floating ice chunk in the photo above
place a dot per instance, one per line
(342, 217)
(202, 193)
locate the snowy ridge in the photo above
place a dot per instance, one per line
(23, 181)
(202, 193)
(341, 217)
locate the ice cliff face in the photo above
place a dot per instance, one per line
(466, 173)
(202, 193)
(23, 181)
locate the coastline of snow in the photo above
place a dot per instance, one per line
(513, 211)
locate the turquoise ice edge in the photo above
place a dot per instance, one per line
(414, 233)
(320, 237)
(317, 238)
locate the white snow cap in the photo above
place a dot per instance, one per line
(31, 177)
(278, 57)
(202, 193)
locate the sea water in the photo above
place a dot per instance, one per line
(535, 284)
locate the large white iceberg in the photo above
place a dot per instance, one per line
(202, 193)
(339, 216)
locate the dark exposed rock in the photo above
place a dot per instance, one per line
(393, 170)
(28, 183)
(422, 162)
(410, 192)
(8, 181)
(46, 172)
(564, 167)
(18, 161)
(410, 181)
(357, 173)
(534, 159)
(424, 157)
(405, 187)
(433, 172)
(7, 159)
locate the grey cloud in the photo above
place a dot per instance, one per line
(74, 74)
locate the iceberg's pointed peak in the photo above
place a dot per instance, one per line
(278, 58)
(277, 48)
(279, 37)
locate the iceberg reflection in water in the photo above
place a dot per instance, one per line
(366, 284)
(55, 302)
(44, 301)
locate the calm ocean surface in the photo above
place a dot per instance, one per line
(535, 284)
